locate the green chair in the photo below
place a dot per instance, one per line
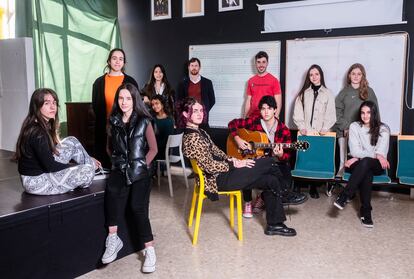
(318, 162)
(405, 167)
(378, 179)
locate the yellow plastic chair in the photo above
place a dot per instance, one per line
(199, 196)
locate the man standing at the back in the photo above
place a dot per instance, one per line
(262, 84)
(196, 86)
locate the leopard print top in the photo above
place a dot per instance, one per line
(197, 145)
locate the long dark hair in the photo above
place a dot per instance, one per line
(187, 106)
(138, 105)
(363, 86)
(163, 102)
(35, 122)
(149, 88)
(374, 122)
(308, 82)
(108, 60)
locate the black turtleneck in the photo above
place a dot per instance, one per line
(315, 95)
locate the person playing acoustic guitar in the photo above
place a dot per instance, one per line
(276, 132)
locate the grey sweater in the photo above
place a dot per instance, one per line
(347, 104)
(360, 141)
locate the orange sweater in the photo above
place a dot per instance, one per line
(111, 85)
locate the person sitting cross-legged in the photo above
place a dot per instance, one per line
(276, 132)
(223, 173)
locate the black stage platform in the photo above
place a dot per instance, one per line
(61, 236)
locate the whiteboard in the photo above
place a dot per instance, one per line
(384, 58)
(230, 66)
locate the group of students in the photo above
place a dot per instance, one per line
(157, 94)
(131, 126)
(126, 132)
(353, 115)
(317, 111)
(49, 165)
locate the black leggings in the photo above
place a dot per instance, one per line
(362, 173)
(264, 175)
(118, 193)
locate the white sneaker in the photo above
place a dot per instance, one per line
(150, 259)
(113, 246)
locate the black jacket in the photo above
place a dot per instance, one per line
(207, 92)
(38, 157)
(129, 146)
(99, 107)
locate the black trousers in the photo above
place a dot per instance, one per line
(118, 194)
(264, 176)
(284, 171)
(362, 173)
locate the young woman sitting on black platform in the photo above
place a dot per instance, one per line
(44, 161)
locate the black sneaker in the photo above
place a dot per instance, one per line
(341, 201)
(292, 198)
(367, 222)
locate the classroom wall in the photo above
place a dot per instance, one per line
(16, 87)
(166, 41)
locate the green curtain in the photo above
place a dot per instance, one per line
(71, 41)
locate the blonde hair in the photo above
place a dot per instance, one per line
(363, 86)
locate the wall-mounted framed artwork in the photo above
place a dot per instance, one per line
(193, 8)
(230, 5)
(160, 9)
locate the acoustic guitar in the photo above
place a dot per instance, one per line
(258, 143)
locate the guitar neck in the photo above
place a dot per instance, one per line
(272, 145)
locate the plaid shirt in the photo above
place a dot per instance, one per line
(282, 134)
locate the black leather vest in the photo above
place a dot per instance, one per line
(129, 147)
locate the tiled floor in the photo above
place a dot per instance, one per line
(329, 244)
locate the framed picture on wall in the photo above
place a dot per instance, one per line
(230, 5)
(160, 9)
(193, 8)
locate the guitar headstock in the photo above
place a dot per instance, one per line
(301, 145)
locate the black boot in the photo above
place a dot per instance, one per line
(279, 229)
(296, 187)
(292, 198)
(313, 192)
